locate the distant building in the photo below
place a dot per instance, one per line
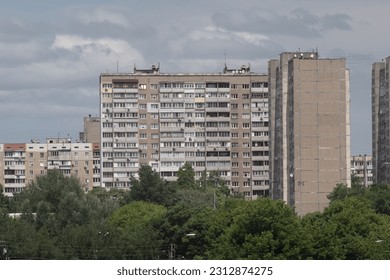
(23, 162)
(380, 109)
(91, 133)
(309, 129)
(361, 167)
(216, 122)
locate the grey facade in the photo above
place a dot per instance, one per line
(213, 121)
(310, 126)
(380, 105)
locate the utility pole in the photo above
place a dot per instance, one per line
(172, 252)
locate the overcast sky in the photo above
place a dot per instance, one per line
(52, 52)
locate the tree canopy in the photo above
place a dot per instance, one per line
(188, 219)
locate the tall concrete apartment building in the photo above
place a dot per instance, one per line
(309, 129)
(213, 121)
(380, 109)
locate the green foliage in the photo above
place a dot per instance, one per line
(57, 213)
(342, 191)
(151, 188)
(377, 194)
(261, 229)
(4, 201)
(186, 177)
(161, 220)
(138, 224)
(348, 229)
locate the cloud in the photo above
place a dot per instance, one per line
(211, 42)
(69, 58)
(85, 46)
(298, 22)
(101, 15)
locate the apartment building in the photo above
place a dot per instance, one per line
(13, 172)
(380, 103)
(213, 121)
(309, 129)
(361, 168)
(21, 163)
(91, 132)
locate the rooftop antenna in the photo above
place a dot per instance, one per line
(117, 66)
(224, 55)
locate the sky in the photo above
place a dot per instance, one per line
(52, 52)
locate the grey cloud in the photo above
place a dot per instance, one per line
(299, 22)
(336, 21)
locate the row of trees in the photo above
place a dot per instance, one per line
(180, 220)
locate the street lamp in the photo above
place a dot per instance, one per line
(4, 250)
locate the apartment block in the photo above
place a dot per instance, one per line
(13, 158)
(91, 133)
(380, 110)
(361, 168)
(21, 163)
(216, 122)
(309, 129)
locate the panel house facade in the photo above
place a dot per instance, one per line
(310, 129)
(213, 121)
(22, 163)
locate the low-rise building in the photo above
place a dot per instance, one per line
(361, 167)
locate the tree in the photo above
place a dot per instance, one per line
(342, 191)
(138, 225)
(186, 177)
(260, 229)
(4, 201)
(59, 214)
(349, 229)
(378, 194)
(151, 188)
